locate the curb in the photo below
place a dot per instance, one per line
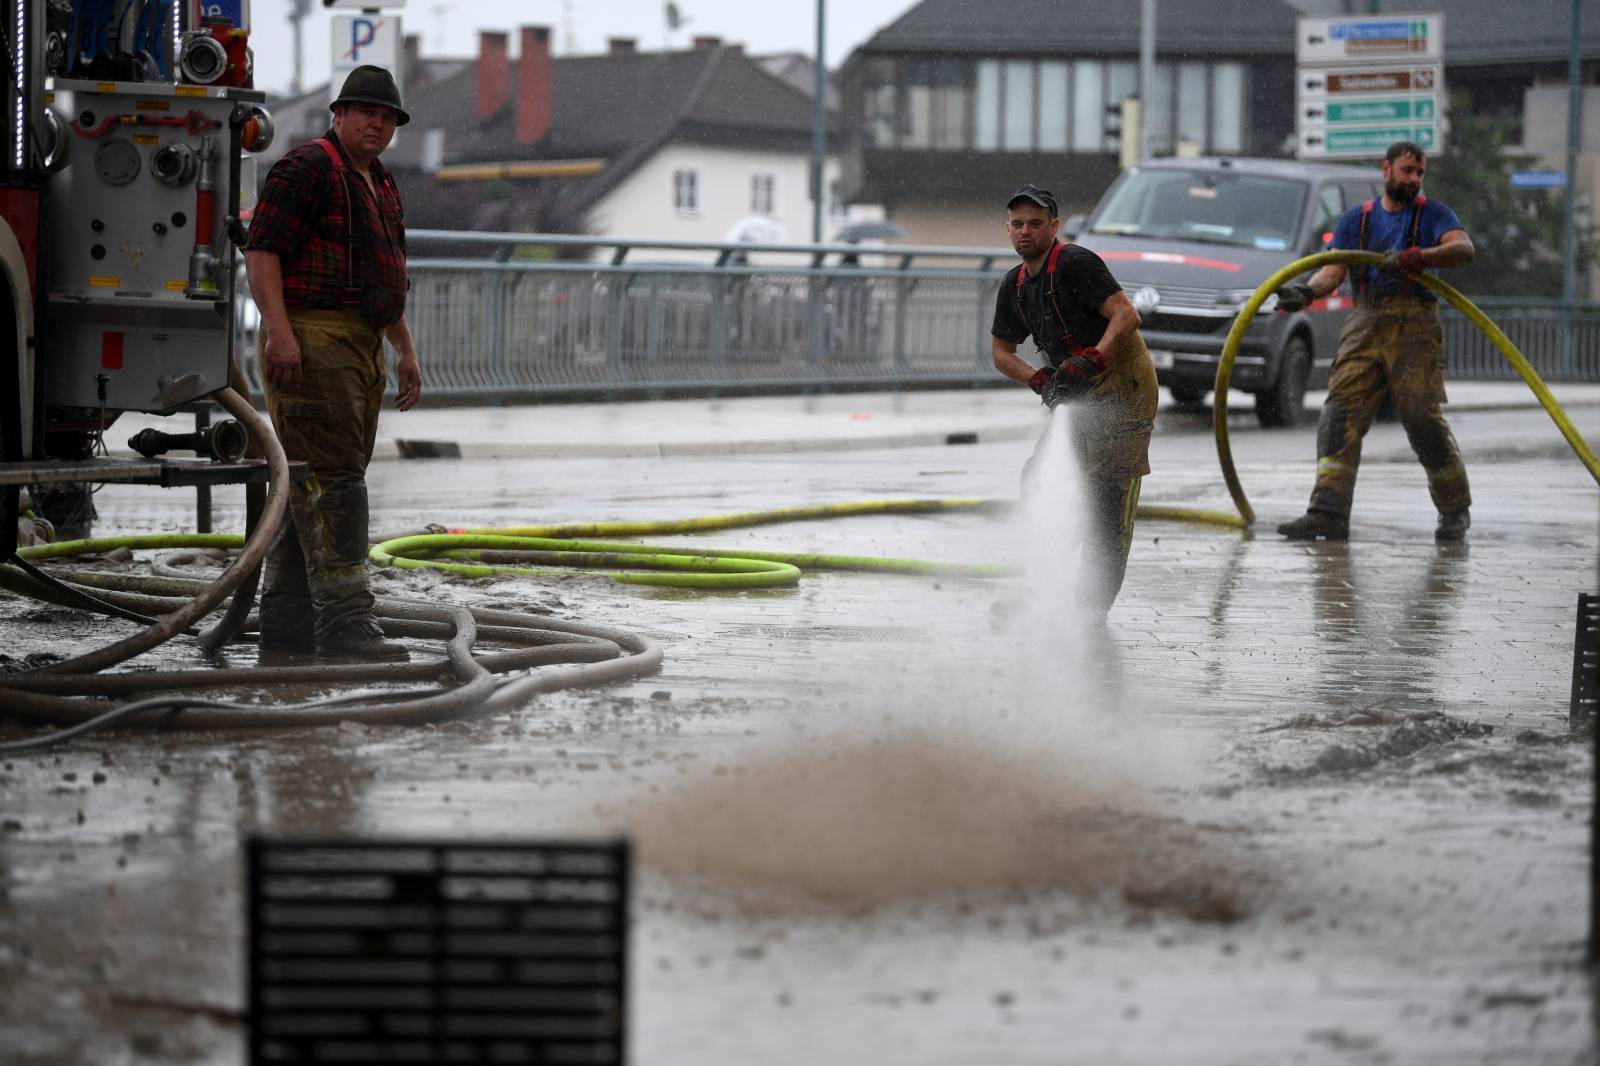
(394, 448)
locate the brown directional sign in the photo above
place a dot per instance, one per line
(1370, 81)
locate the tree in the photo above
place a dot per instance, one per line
(1517, 232)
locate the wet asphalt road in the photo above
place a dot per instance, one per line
(1309, 803)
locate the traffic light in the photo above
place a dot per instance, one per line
(1122, 131)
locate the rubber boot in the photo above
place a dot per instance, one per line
(361, 638)
(1317, 524)
(1453, 525)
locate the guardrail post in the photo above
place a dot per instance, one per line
(902, 296)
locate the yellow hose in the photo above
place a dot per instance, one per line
(1230, 350)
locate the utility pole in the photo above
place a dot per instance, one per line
(819, 120)
(1147, 76)
(1569, 239)
(297, 15)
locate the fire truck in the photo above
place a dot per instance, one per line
(126, 135)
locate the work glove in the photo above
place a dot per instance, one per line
(1073, 377)
(1406, 262)
(1295, 297)
(1040, 379)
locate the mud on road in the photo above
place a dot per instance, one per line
(1305, 803)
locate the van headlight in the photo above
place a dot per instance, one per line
(1237, 298)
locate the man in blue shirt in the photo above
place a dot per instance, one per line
(1391, 341)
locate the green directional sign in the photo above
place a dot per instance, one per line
(1375, 138)
(1390, 109)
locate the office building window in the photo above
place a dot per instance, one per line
(1053, 105)
(923, 103)
(1192, 105)
(986, 106)
(1227, 107)
(686, 191)
(763, 194)
(1088, 106)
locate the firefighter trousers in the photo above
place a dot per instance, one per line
(1394, 346)
(1113, 503)
(316, 571)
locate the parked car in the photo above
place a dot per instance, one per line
(1191, 239)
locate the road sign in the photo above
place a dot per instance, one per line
(1345, 82)
(1538, 179)
(235, 11)
(1382, 109)
(362, 39)
(1380, 38)
(1364, 83)
(1362, 142)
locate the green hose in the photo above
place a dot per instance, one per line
(503, 551)
(1312, 262)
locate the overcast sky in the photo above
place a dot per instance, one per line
(450, 27)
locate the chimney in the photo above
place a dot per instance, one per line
(622, 46)
(534, 85)
(411, 61)
(494, 72)
(707, 42)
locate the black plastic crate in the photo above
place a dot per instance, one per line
(408, 952)
(1586, 662)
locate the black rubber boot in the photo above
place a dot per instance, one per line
(363, 639)
(1317, 524)
(1453, 525)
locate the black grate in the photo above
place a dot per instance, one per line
(408, 952)
(1586, 662)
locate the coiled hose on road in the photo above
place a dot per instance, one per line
(1230, 351)
(52, 694)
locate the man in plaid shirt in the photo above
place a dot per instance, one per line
(327, 266)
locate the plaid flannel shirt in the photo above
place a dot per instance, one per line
(300, 216)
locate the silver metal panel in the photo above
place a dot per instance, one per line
(122, 243)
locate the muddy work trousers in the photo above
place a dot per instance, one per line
(1394, 346)
(1113, 502)
(317, 568)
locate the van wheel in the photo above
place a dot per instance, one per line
(1284, 404)
(1183, 392)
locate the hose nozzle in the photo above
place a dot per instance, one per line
(227, 441)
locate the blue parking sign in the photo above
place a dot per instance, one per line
(235, 11)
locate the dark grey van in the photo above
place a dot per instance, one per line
(1191, 239)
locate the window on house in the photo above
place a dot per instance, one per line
(934, 108)
(763, 194)
(836, 205)
(686, 191)
(878, 104)
(432, 150)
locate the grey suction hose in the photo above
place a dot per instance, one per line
(244, 598)
(480, 692)
(249, 558)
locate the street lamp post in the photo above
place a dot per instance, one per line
(819, 114)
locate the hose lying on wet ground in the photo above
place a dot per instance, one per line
(1230, 351)
(552, 654)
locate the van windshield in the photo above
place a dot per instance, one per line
(1216, 207)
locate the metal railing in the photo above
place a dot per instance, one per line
(674, 318)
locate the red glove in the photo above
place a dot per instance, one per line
(1040, 379)
(1088, 363)
(1406, 262)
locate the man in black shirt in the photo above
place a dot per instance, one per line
(1065, 298)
